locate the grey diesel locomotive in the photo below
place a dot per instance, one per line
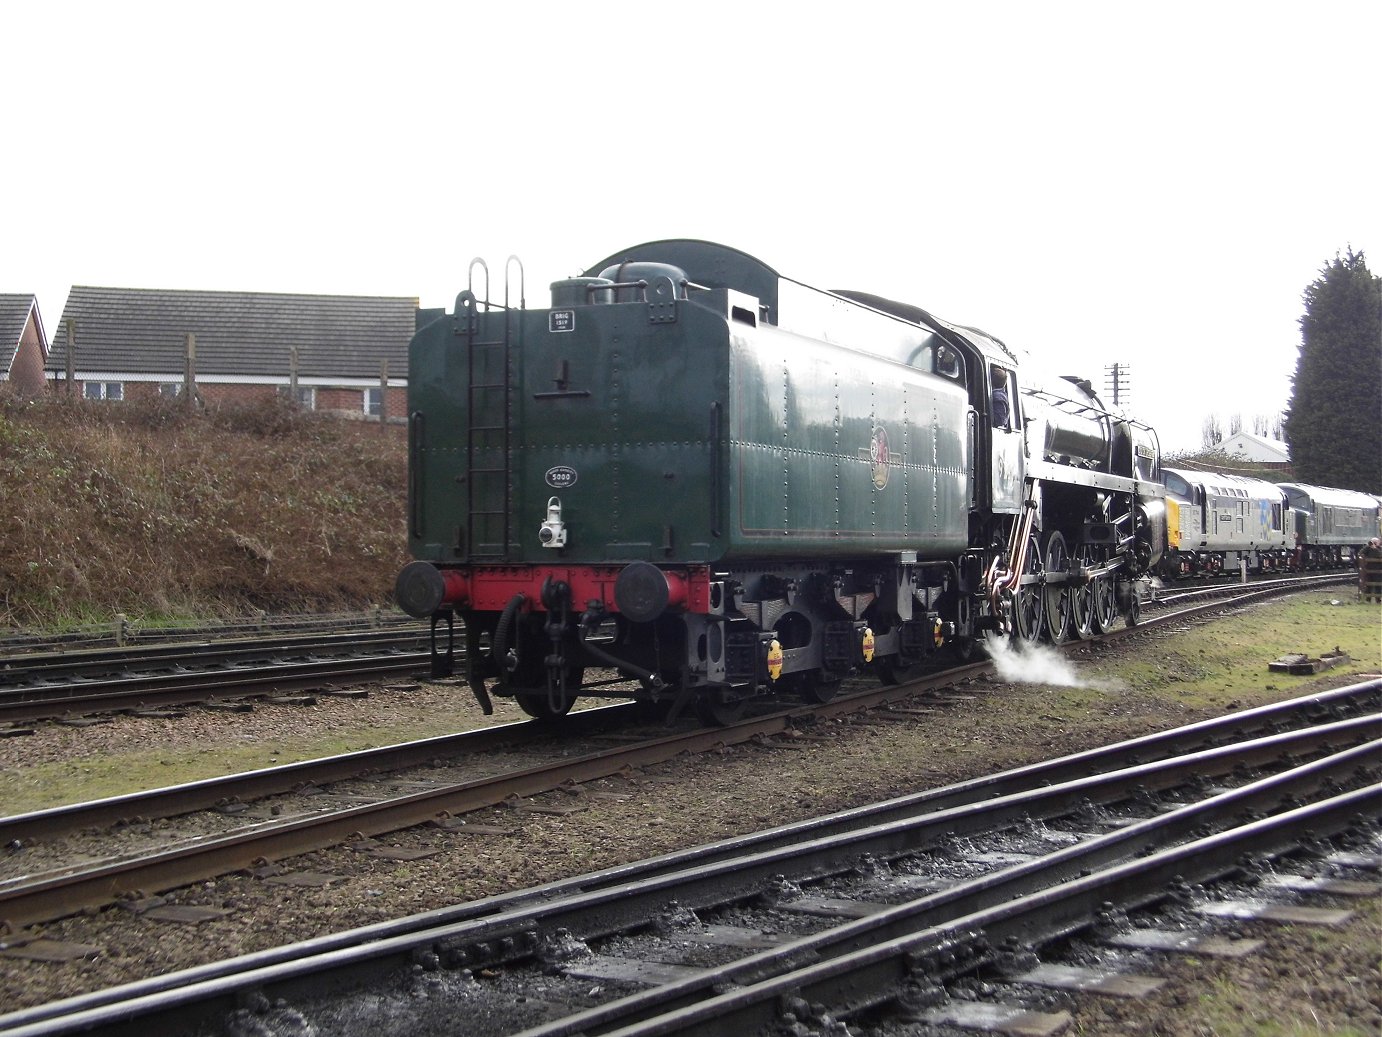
(694, 481)
(1221, 524)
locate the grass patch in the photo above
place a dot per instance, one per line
(116, 772)
(1223, 665)
(1224, 1012)
(1298, 1004)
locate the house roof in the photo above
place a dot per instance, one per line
(144, 331)
(1259, 448)
(14, 317)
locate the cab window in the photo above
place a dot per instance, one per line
(949, 363)
(1178, 486)
(1002, 398)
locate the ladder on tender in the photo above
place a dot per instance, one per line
(490, 347)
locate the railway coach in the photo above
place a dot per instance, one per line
(708, 482)
(1330, 526)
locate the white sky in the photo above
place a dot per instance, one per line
(1153, 184)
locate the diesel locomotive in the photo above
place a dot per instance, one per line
(694, 481)
(1216, 524)
(1220, 524)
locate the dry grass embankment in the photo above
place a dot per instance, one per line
(159, 512)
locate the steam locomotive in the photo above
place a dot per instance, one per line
(694, 481)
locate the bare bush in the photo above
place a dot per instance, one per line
(152, 507)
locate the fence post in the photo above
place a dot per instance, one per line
(71, 357)
(189, 372)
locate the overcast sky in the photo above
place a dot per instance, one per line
(1152, 185)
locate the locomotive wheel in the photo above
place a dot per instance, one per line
(715, 713)
(964, 649)
(1028, 599)
(1104, 613)
(538, 706)
(1082, 602)
(653, 712)
(1057, 604)
(534, 699)
(893, 670)
(817, 686)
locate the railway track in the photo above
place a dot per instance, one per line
(1179, 594)
(71, 684)
(56, 666)
(64, 683)
(296, 824)
(121, 633)
(871, 910)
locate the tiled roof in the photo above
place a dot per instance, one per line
(14, 314)
(144, 331)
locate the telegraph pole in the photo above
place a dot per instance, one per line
(1118, 382)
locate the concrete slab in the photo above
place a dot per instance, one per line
(918, 883)
(993, 1018)
(50, 950)
(1184, 942)
(999, 859)
(832, 907)
(1092, 981)
(732, 936)
(631, 970)
(1351, 859)
(1287, 914)
(187, 914)
(1315, 884)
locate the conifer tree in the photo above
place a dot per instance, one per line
(1333, 423)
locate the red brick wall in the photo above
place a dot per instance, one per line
(352, 401)
(340, 399)
(348, 401)
(215, 392)
(140, 390)
(26, 373)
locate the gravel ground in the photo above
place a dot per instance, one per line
(1303, 983)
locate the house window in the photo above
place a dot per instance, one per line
(374, 399)
(171, 390)
(306, 395)
(103, 390)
